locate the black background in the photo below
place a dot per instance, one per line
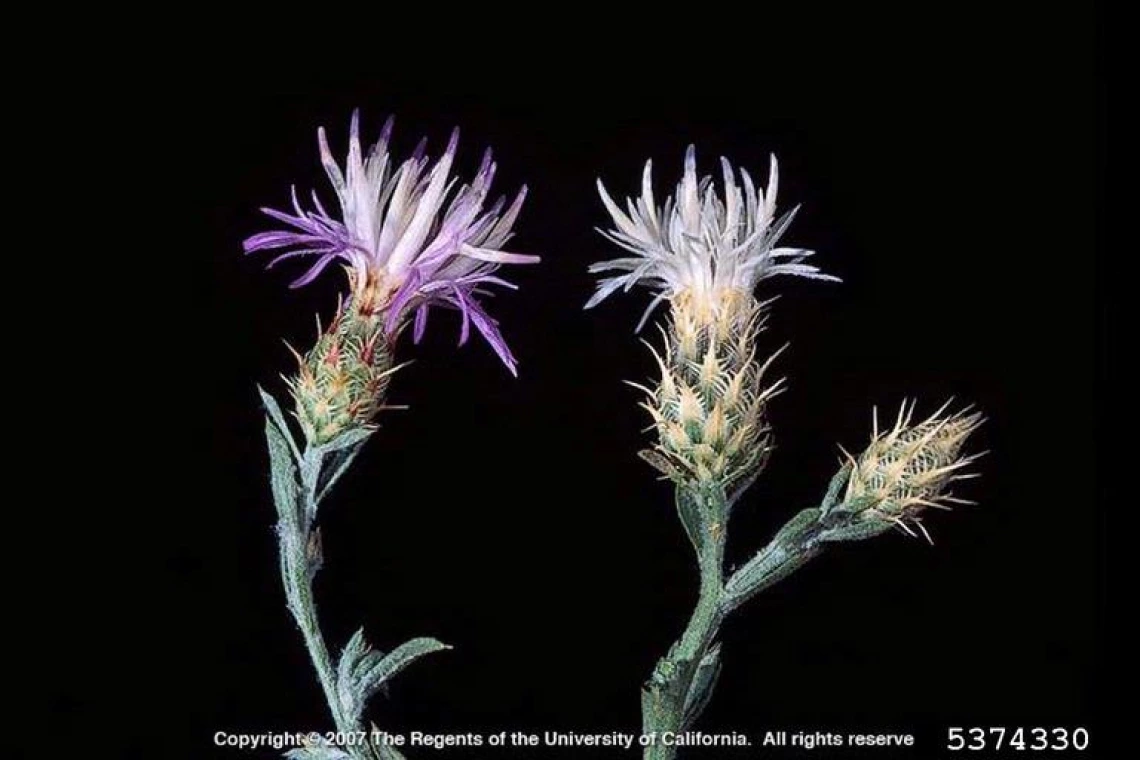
(946, 174)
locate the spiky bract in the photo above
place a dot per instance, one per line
(709, 404)
(341, 381)
(910, 467)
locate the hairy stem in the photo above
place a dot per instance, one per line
(299, 593)
(683, 680)
(300, 560)
(675, 692)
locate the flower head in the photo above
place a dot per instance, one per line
(710, 406)
(700, 242)
(910, 467)
(411, 239)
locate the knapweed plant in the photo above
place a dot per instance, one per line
(411, 238)
(705, 252)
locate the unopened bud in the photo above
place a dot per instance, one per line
(909, 468)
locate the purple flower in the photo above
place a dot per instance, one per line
(410, 238)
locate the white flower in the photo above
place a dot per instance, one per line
(699, 242)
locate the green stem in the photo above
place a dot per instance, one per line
(299, 593)
(683, 680)
(669, 699)
(300, 560)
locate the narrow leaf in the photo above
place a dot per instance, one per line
(337, 464)
(796, 530)
(689, 510)
(837, 482)
(856, 530)
(352, 653)
(348, 687)
(791, 549)
(768, 568)
(377, 671)
(345, 440)
(282, 474)
(310, 467)
(704, 680)
(273, 411)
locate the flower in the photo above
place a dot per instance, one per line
(910, 467)
(410, 239)
(699, 242)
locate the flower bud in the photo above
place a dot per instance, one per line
(910, 467)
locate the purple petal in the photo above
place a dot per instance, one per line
(292, 255)
(489, 329)
(264, 241)
(465, 307)
(315, 270)
(452, 143)
(420, 323)
(421, 147)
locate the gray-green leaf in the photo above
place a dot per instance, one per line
(375, 670)
(336, 465)
(689, 510)
(837, 482)
(362, 671)
(347, 669)
(282, 474)
(704, 680)
(856, 530)
(793, 547)
(273, 411)
(349, 438)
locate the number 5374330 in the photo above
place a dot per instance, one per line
(1033, 739)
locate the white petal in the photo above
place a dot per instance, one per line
(498, 257)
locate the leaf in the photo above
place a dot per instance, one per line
(374, 670)
(348, 691)
(345, 440)
(353, 652)
(791, 549)
(770, 566)
(310, 470)
(855, 530)
(701, 689)
(362, 671)
(837, 482)
(282, 474)
(795, 531)
(337, 465)
(689, 510)
(273, 411)
(858, 504)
